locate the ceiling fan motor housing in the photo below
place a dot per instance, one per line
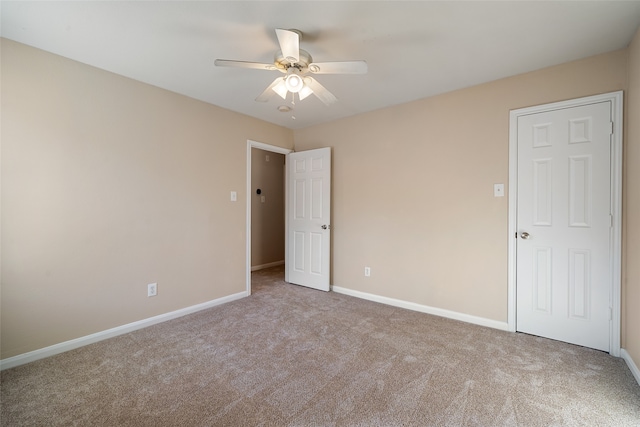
(302, 65)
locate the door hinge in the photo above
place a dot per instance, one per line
(610, 313)
(610, 128)
(610, 221)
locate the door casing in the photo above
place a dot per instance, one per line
(616, 99)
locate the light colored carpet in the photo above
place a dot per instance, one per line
(291, 356)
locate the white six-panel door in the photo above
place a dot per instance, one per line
(308, 218)
(563, 225)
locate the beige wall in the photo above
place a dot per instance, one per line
(267, 218)
(631, 208)
(413, 187)
(109, 184)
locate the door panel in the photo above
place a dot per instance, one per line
(309, 210)
(563, 277)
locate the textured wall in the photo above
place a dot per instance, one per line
(413, 187)
(109, 184)
(631, 206)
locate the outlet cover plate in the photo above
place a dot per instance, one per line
(152, 289)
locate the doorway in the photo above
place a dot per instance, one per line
(267, 209)
(565, 221)
(269, 196)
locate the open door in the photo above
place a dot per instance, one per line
(308, 218)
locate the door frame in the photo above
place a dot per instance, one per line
(274, 149)
(615, 242)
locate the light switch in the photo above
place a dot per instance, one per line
(262, 199)
(267, 157)
(498, 190)
(234, 196)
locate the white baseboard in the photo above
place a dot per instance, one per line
(503, 326)
(267, 265)
(32, 356)
(631, 364)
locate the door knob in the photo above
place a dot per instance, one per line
(326, 227)
(524, 235)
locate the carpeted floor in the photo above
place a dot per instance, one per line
(291, 356)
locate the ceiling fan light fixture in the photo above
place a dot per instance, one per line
(293, 81)
(281, 89)
(304, 92)
(296, 63)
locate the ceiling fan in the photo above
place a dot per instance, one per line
(297, 64)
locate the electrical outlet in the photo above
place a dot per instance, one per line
(367, 271)
(152, 289)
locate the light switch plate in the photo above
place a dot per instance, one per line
(234, 196)
(498, 190)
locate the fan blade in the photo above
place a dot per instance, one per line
(272, 89)
(243, 64)
(289, 44)
(268, 92)
(320, 91)
(344, 67)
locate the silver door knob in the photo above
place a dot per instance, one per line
(524, 235)
(326, 227)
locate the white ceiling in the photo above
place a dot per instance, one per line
(414, 49)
